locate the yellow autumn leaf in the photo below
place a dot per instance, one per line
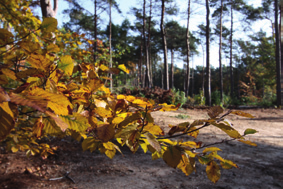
(5, 37)
(153, 129)
(102, 112)
(49, 24)
(57, 102)
(53, 48)
(9, 73)
(39, 61)
(7, 121)
(123, 68)
(187, 165)
(166, 107)
(213, 171)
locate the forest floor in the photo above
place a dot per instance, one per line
(260, 167)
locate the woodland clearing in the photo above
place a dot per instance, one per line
(259, 167)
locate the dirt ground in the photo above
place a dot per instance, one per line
(259, 167)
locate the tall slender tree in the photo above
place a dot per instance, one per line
(208, 72)
(164, 42)
(147, 73)
(187, 85)
(277, 54)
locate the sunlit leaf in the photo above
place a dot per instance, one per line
(166, 107)
(102, 112)
(227, 164)
(240, 113)
(213, 171)
(38, 127)
(228, 130)
(153, 142)
(248, 142)
(153, 129)
(187, 165)
(50, 127)
(123, 68)
(76, 122)
(57, 102)
(172, 156)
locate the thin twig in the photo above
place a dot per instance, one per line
(143, 120)
(65, 176)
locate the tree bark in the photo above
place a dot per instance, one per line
(220, 54)
(46, 8)
(172, 68)
(148, 44)
(187, 85)
(166, 76)
(110, 48)
(277, 56)
(95, 31)
(147, 76)
(208, 84)
(231, 54)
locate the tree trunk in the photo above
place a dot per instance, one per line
(46, 8)
(95, 31)
(147, 77)
(220, 55)
(277, 57)
(231, 54)
(281, 52)
(188, 51)
(166, 76)
(208, 84)
(140, 65)
(110, 48)
(172, 68)
(148, 44)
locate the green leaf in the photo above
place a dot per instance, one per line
(49, 24)
(250, 131)
(66, 64)
(213, 171)
(172, 156)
